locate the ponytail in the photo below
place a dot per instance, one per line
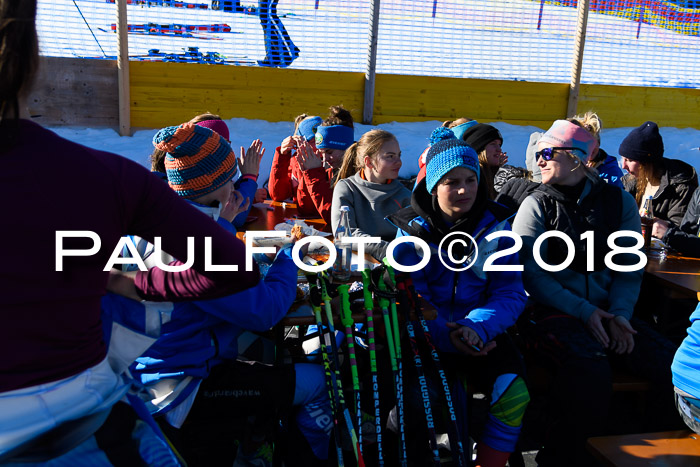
(350, 163)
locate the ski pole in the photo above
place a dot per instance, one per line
(369, 306)
(432, 437)
(346, 318)
(336, 361)
(395, 353)
(330, 376)
(459, 457)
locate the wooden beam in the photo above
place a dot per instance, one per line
(123, 70)
(371, 71)
(582, 22)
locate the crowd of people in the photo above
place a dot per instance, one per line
(140, 364)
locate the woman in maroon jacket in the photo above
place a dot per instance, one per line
(50, 331)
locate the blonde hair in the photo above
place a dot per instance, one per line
(298, 120)
(368, 145)
(454, 123)
(590, 121)
(648, 172)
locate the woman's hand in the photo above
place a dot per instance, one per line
(467, 341)
(249, 161)
(289, 143)
(234, 206)
(122, 283)
(260, 195)
(595, 325)
(622, 335)
(307, 157)
(502, 159)
(660, 228)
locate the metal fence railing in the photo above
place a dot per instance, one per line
(640, 42)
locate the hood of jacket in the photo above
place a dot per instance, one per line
(423, 217)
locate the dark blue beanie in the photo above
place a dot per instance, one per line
(643, 144)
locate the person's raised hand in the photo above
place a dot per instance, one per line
(502, 159)
(467, 341)
(307, 157)
(621, 335)
(289, 143)
(236, 204)
(595, 325)
(249, 161)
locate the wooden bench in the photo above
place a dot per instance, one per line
(668, 448)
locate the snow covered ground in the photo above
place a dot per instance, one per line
(489, 39)
(680, 143)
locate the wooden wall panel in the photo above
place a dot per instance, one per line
(83, 92)
(170, 93)
(630, 106)
(75, 91)
(414, 98)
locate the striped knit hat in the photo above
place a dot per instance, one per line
(199, 160)
(446, 153)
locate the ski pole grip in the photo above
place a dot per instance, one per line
(369, 304)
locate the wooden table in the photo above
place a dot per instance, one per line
(665, 449)
(678, 273)
(265, 216)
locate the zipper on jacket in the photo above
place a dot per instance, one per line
(454, 295)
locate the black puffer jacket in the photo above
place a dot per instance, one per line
(505, 173)
(678, 183)
(684, 239)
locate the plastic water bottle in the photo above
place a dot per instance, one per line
(341, 267)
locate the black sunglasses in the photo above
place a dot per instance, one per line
(548, 153)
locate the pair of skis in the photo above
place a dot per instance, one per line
(408, 298)
(318, 293)
(387, 300)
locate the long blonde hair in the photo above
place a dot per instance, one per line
(648, 172)
(368, 145)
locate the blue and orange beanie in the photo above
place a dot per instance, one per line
(446, 153)
(334, 137)
(199, 160)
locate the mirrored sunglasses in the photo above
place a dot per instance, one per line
(548, 153)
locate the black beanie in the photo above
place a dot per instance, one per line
(480, 135)
(643, 144)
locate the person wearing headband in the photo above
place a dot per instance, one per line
(306, 163)
(580, 323)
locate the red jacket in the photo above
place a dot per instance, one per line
(310, 189)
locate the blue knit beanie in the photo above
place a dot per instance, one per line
(199, 160)
(334, 137)
(446, 153)
(307, 127)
